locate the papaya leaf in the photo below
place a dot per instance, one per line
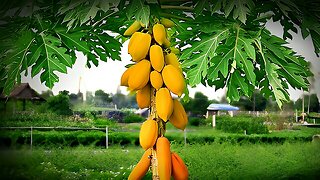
(139, 10)
(16, 60)
(53, 58)
(198, 56)
(241, 9)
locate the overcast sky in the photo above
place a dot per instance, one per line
(107, 75)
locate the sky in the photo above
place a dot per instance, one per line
(107, 75)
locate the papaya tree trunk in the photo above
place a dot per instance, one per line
(161, 132)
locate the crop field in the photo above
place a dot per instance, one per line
(208, 153)
(214, 161)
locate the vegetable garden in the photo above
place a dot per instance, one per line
(172, 44)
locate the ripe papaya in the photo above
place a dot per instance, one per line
(164, 104)
(139, 76)
(173, 79)
(179, 169)
(172, 59)
(139, 46)
(125, 76)
(143, 97)
(132, 39)
(142, 167)
(164, 158)
(167, 23)
(159, 33)
(179, 117)
(148, 133)
(134, 27)
(156, 80)
(156, 57)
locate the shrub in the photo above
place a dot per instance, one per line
(133, 118)
(196, 121)
(100, 122)
(60, 104)
(252, 125)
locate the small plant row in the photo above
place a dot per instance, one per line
(98, 138)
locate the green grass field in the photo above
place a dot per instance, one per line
(214, 161)
(209, 153)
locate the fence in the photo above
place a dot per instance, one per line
(106, 130)
(61, 128)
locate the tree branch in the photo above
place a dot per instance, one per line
(176, 7)
(174, 16)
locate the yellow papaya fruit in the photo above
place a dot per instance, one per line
(159, 33)
(167, 23)
(156, 57)
(166, 43)
(174, 50)
(132, 39)
(139, 76)
(139, 46)
(173, 79)
(164, 158)
(164, 104)
(179, 117)
(125, 76)
(140, 170)
(148, 133)
(134, 27)
(172, 59)
(143, 97)
(179, 169)
(142, 24)
(156, 80)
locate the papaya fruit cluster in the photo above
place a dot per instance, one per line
(156, 75)
(169, 163)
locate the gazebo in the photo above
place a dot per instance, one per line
(23, 92)
(213, 110)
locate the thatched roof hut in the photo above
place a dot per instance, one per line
(23, 92)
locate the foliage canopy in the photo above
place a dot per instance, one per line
(225, 43)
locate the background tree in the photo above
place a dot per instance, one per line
(46, 94)
(89, 98)
(255, 103)
(226, 43)
(314, 103)
(197, 106)
(60, 104)
(124, 101)
(101, 98)
(74, 98)
(64, 92)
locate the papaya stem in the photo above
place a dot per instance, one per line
(154, 165)
(167, 15)
(153, 115)
(176, 7)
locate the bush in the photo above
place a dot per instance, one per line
(133, 118)
(279, 122)
(60, 104)
(195, 121)
(252, 125)
(100, 122)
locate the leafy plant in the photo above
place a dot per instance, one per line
(225, 43)
(133, 118)
(59, 104)
(240, 124)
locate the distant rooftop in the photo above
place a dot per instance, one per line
(23, 91)
(222, 107)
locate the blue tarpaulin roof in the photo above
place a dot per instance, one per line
(222, 107)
